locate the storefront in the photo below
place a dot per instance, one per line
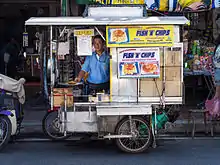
(12, 17)
(199, 48)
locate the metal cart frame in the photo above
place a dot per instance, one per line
(89, 121)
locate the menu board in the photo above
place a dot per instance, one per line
(140, 36)
(84, 41)
(138, 62)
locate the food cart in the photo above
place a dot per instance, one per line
(145, 69)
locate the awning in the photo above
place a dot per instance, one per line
(65, 21)
(169, 5)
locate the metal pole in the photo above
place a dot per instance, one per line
(164, 76)
(51, 68)
(32, 66)
(65, 113)
(138, 89)
(6, 70)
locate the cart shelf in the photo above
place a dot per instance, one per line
(122, 109)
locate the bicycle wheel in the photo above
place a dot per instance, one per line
(51, 126)
(141, 135)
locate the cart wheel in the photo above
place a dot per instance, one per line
(5, 131)
(142, 135)
(51, 126)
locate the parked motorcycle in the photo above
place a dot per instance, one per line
(12, 96)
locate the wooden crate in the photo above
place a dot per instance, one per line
(59, 96)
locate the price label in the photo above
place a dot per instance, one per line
(84, 32)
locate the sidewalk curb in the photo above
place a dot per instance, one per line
(78, 139)
(46, 140)
(34, 140)
(27, 124)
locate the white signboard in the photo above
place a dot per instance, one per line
(84, 46)
(84, 41)
(139, 62)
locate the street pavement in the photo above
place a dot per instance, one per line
(32, 124)
(181, 152)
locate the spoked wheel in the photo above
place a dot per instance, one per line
(52, 125)
(141, 135)
(5, 131)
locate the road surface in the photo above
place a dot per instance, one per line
(181, 152)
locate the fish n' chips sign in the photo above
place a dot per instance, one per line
(139, 36)
(138, 62)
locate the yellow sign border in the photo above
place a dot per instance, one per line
(123, 45)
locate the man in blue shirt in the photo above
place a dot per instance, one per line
(97, 66)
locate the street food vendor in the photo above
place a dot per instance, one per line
(97, 66)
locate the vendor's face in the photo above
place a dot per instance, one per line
(98, 45)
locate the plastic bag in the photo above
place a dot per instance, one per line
(213, 107)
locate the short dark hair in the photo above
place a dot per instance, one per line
(98, 37)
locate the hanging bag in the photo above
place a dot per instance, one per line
(213, 107)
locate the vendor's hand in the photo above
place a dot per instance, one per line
(77, 79)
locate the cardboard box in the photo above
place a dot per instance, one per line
(173, 89)
(173, 56)
(173, 73)
(59, 96)
(150, 88)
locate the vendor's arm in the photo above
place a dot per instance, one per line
(80, 76)
(85, 68)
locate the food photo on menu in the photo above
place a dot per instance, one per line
(118, 35)
(150, 68)
(128, 68)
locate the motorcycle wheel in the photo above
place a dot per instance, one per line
(5, 131)
(53, 129)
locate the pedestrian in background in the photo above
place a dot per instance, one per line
(9, 58)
